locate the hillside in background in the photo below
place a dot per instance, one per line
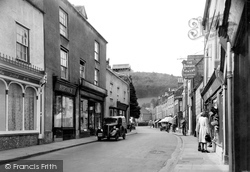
(152, 84)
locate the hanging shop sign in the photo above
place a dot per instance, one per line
(189, 69)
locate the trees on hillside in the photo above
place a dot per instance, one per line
(134, 106)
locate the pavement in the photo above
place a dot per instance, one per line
(185, 158)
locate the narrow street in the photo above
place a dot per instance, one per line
(146, 151)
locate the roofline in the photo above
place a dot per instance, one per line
(66, 1)
(117, 76)
(34, 5)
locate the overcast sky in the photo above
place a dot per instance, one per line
(150, 35)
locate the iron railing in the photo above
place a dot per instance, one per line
(15, 62)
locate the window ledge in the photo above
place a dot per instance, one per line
(8, 133)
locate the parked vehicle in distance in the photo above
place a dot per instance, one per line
(113, 127)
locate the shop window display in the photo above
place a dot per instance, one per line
(67, 112)
(64, 112)
(58, 112)
(98, 115)
(84, 115)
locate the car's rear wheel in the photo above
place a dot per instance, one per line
(99, 138)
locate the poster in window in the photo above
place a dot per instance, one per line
(98, 108)
(84, 115)
(67, 112)
(58, 112)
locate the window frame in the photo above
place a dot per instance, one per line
(23, 44)
(96, 77)
(63, 23)
(97, 51)
(67, 63)
(82, 69)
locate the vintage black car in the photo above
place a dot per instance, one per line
(113, 127)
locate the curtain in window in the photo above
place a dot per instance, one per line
(58, 112)
(15, 107)
(2, 106)
(29, 109)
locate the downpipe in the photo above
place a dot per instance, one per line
(229, 91)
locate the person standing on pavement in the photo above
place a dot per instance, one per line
(197, 131)
(183, 126)
(203, 129)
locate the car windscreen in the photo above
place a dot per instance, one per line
(109, 120)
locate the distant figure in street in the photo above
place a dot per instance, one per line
(174, 124)
(150, 123)
(203, 129)
(183, 127)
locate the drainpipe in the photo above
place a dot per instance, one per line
(229, 91)
(225, 126)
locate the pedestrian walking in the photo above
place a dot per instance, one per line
(203, 130)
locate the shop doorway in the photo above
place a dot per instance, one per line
(63, 118)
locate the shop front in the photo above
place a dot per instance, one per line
(91, 111)
(91, 115)
(64, 111)
(21, 102)
(213, 103)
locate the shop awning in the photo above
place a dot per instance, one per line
(157, 120)
(212, 87)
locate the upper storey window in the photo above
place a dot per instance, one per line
(97, 51)
(63, 19)
(22, 43)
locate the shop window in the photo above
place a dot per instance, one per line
(67, 112)
(63, 112)
(58, 112)
(29, 109)
(110, 112)
(15, 108)
(2, 106)
(115, 112)
(84, 115)
(98, 115)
